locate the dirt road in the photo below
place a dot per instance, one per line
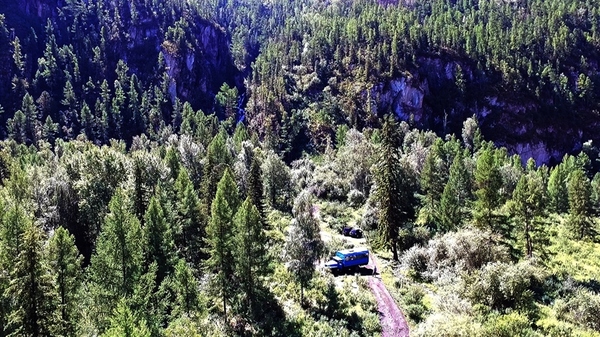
(393, 322)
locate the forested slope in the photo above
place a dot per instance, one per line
(526, 69)
(167, 167)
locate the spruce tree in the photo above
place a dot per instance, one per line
(395, 189)
(255, 185)
(220, 239)
(190, 224)
(558, 195)
(124, 323)
(455, 196)
(31, 287)
(186, 290)
(158, 246)
(66, 270)
(116, 263)
(13, 224)
(218, 158)
(579, 191)
(251, 252)
(527, 208)
(433, 179)
(303, 244)
(488, 182)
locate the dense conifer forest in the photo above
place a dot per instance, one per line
(185, 168)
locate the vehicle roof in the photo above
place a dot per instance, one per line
(354, 251)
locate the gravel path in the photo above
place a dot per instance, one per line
(393, 323)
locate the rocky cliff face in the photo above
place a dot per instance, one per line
(202, 68)
(197, 67)
(430, 98)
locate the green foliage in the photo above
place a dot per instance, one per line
(501, 286)
(251, 254)
(303, 244)
(124, 323)
(528, 207)
(31, 287)
(488, 183)
(158, 242)
(581, 308)
(455, 196)
(395, 189)
(220, 234)
(188, 300)
(65, 264)
(580, 191)
(276, 182)
(115, 267)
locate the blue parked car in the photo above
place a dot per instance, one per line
(348, 259)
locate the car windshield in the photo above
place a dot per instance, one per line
(336, 258)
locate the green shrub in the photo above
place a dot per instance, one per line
(510, 325)
(582, 308)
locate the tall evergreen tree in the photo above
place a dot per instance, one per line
(395, 189)
(527, 208)
(488, 182)
(558, 195)
(255, 185)
(220, 239)
(190, 223)
(158, 240)
(65, 266)
(303, 244)
(187, 291)
(580, 191)
(218, 158)
(433, 180)
(455, 196)
(31, 287)
(116, 264)
(13, 224)
(251, 252)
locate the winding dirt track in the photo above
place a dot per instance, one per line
(393, 323)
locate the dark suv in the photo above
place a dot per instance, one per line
(356, 233)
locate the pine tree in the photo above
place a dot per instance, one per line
(394, 189)
(579, 191)
(124, 323)
(433, 178)
(218, 158)
(488, 182)
(31, 287)
(251, 252)
(558, 196)
(255, 185)
(158, 240)
(116, 264)
(189, 221)
(136, 118)
(303, 244)
(65, 266)
(13, 224)
(527, 208)
(117, 108)
(455, 196)
(187, 291)
(220, 239)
